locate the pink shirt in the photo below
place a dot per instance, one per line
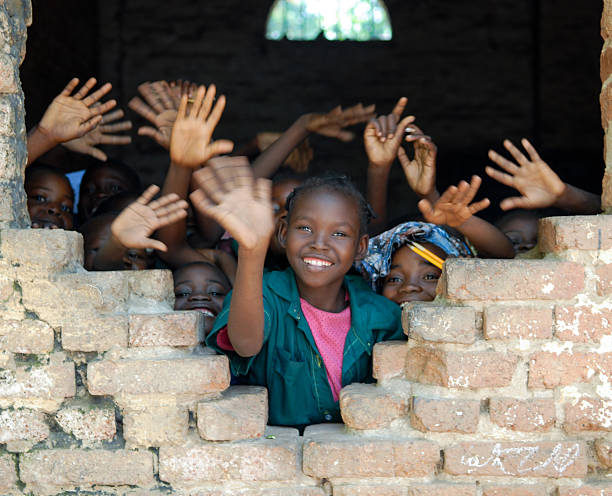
(329, 331)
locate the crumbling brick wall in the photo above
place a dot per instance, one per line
(503, 387)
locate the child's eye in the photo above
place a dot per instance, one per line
(181, 293)
(38, 198)
(115, 188)
(394, 280)
(431, 277)
(216, 293)
(340, 234)
(304, 228)
(66, 208)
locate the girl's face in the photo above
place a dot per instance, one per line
(100, 184)
(411, 277)
(322, 238)
(50, 201)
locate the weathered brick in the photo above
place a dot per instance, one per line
(605, 61)
(411, 490)
(22, 425)
(440, 323)
(29, 336)
(366, 406)
(445, 415)
(491, 280)
(550, 369)
(95, 333)
(156, 426)
(604, 279)
(582, 323)
(591, 490)
(518, 321)
(194, 375)
(240, 413)
(9, 78)
(329, 452)
(460, 369)
(577, 232)
(289, 489)
(524, 459)
(532, 415)
(588, 414)
(606, 20)
(263, 459)
(389, 359)
(67, 468)
(603, 448)
(8, 475)
(169, 329)
(515, 491)
(86, 421)
(151, 285)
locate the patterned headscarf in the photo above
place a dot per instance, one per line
(375, 266)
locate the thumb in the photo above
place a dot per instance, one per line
(514, 202)
(426, 209)
(221, 147)
(97, 154)
(155, 245)
(345, 136)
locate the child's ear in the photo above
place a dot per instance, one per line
(362, 247)
(281, 233)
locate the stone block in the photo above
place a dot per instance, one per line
(579, 232)
(460, 369)
(168, 329)
(518, 322)
(156, 426)
(477, 279)
(530, 490)
(588, 414)
(517, 459)
(603, 448)
(583, 323)
(440, 323)
(8, 475)
(407, 490)
(389, 359)
(548, 369)
(154, 285)
(22, 425)
(28, 336)
(9, 77)
(587, 490)
(366, 406)
(240, 413)
(531, 415)
(604, 279)
(445, 415)
(95, 333)
(87, 421)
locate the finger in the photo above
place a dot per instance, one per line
(97, 154)
(478, 206)
(426, 209)
(503, 162)
(500, 177)
(398, 110)
(403, 158)
(109, 139)
(209, 98)
(102, 108)
(345, 136)
(373, 128)
(463, 191)
(69, 88)
(533, 154)
(449, 194)
(162, 89)
(172, 217)
(148, 194)
(142, 109)
(206, 180)
(89, 124)
(113, 116)
(89, 84)
(262, 189)
(516, 153)
(391, 125)
(398, 135)
(221, 147)
(202, 203)
(217, 112)
(182, 110)
(382, 126)
(151, 96)
(514, 202)
(114, 128)
(164, 204)
(233, 172)
(96, 95)
(472, 190)
(197, 104)
(155, 244)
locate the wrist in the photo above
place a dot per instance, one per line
(44, 136)
(379, 168)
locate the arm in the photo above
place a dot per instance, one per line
(331, 125)
(538, 184)
(455, 209)
(68, 117)
(242, 205)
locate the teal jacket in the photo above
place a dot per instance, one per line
(289, 363)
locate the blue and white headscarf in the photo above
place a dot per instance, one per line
(375, 266)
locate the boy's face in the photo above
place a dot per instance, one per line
(50, 201)
(411, 277)
(202, 288)
(101, 183)
(523, 232)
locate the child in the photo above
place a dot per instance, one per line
(50, 197)
(521, 228)
(307, 331)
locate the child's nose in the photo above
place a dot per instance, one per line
(318, 241)
(199, 297)
(53, 209)
(410, 286)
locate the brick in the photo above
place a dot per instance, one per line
(240, 413)
(28, 336)
(517, 322)
(460, 369)
(95, 333)
(552, 369)
(169, 329)
(604, 279)
(8, 474)
(152, 285)
(397, 490)
(195, 375)
(440, 323)
(366, 406)
(603, 448)
(605, 101)
(515, 491)
(87, 422)
(389, 360)
(582, 323)
(9, 80)
(22, 425)
(532, 415)
(68, 468)
(606, 21)
(44, 387)
(156, 426)
(594, 490)
(579, 232)
(253, 460)
(445, 415)
(588, 414)
(285, 490)
(493, 280)
(330, 452)
(523, 459)
(605, 61)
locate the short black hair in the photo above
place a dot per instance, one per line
(37, 169)
(203, 263)
(133, 183)
(336, 184)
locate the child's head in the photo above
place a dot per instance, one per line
(521, 226)
(50, 197)
(104, 179)
(397, 272)
(96, 231)
(116, 203)
(282, 186)
(325, 230)
(200, 286)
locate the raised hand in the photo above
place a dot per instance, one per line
(538, 184)
(229, 194)
(455, 205)
(190, 143)
(383, 136)
(333, 123)
(102, 134)
(71, 116)
(420, 172)
(135, 224)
